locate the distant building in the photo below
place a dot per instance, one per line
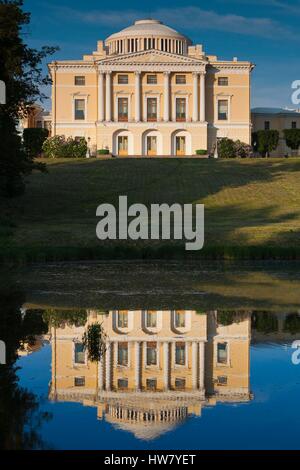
(276, 119)
(37, 117)
(159, 367)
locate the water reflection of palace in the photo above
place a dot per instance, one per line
(159, 367)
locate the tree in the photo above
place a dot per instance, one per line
(21, 71)
(292, 138)
(33, 140)
(264, 142)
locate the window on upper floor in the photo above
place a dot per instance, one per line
(151, 354)
(180, 354)
(151, 319)
(222, 353)
(122, 319)
(223, 110)
(294, 125)
(79, 353)
(79, 110)
(179, 319)
(79, 80)
(180, 109)
(180, 79)
(122, 79)
(152, 79)
(123, 354)
(267, 125)
(151, 109)
(223, 81)
(122, 109)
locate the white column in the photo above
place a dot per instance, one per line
(194, 365)
(202, 97)
(166, 96)
(137, 96)
(201, 365)
(108, 97)
(137, 365)
(195, 97)
(166, 365)
(101, 374)
(108, 366)
(101, 97)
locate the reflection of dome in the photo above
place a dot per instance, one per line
(147, 34)
(146, 431)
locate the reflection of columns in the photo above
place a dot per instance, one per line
(108, 366)
(137, 365)
(195, 97)
(137, 96)
(108, 96)
(101, 374)
(101, 97)
(166, 365)
(201, 365)
(202, 97)
(194, 364)
(166, 96)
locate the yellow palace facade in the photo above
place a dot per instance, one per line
(159, 367)
(147, 90)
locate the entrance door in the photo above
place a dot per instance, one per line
(151, 145)
(180, 145)
(122, 145)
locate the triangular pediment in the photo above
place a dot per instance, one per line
(151, 57)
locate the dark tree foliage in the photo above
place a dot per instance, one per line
(265, 141)
(21, 71)
(292, 138)
(33, 140)
(292, 323)
(264, 322)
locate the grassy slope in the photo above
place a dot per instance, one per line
(248, 202)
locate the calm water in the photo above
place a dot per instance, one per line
(210, 369)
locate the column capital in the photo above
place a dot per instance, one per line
(137, 72)
(167, 72)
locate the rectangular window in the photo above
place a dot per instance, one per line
(180, 109)
(122, 384)
(151, 384)
(267, 125)
(223, 81)
(223, 110)
(39, 124)
(123, 109)
(122, 319)
(151, 109)
(179, 319)
(79, 381)
(222, 353)
(152, 79)
(180, 79)
(151, 319)
(151, 354)
(79, 110)
(122, 79)
(180, 354)
(294, 125)
(79, 80)
(79, 354)
(123, 354)
(179, 383)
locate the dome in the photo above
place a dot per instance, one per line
(147, 34)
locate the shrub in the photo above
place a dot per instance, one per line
(243, 150)
(201, 152)
(33, 140)
(264, 142)
(103, 152)
(59, 147)
(226, 148)
(292, 138)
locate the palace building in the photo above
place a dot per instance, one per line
(147, 90)
(159, 367)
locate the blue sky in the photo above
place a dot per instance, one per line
(265, 32)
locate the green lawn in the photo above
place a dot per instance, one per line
(249, 203)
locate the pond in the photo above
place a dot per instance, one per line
(192, 356)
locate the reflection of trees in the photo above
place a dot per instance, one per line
(20, 416)
(58, 318)
(264, 322)
(228, 317)
(292, 323)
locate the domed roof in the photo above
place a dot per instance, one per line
(147, 27)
